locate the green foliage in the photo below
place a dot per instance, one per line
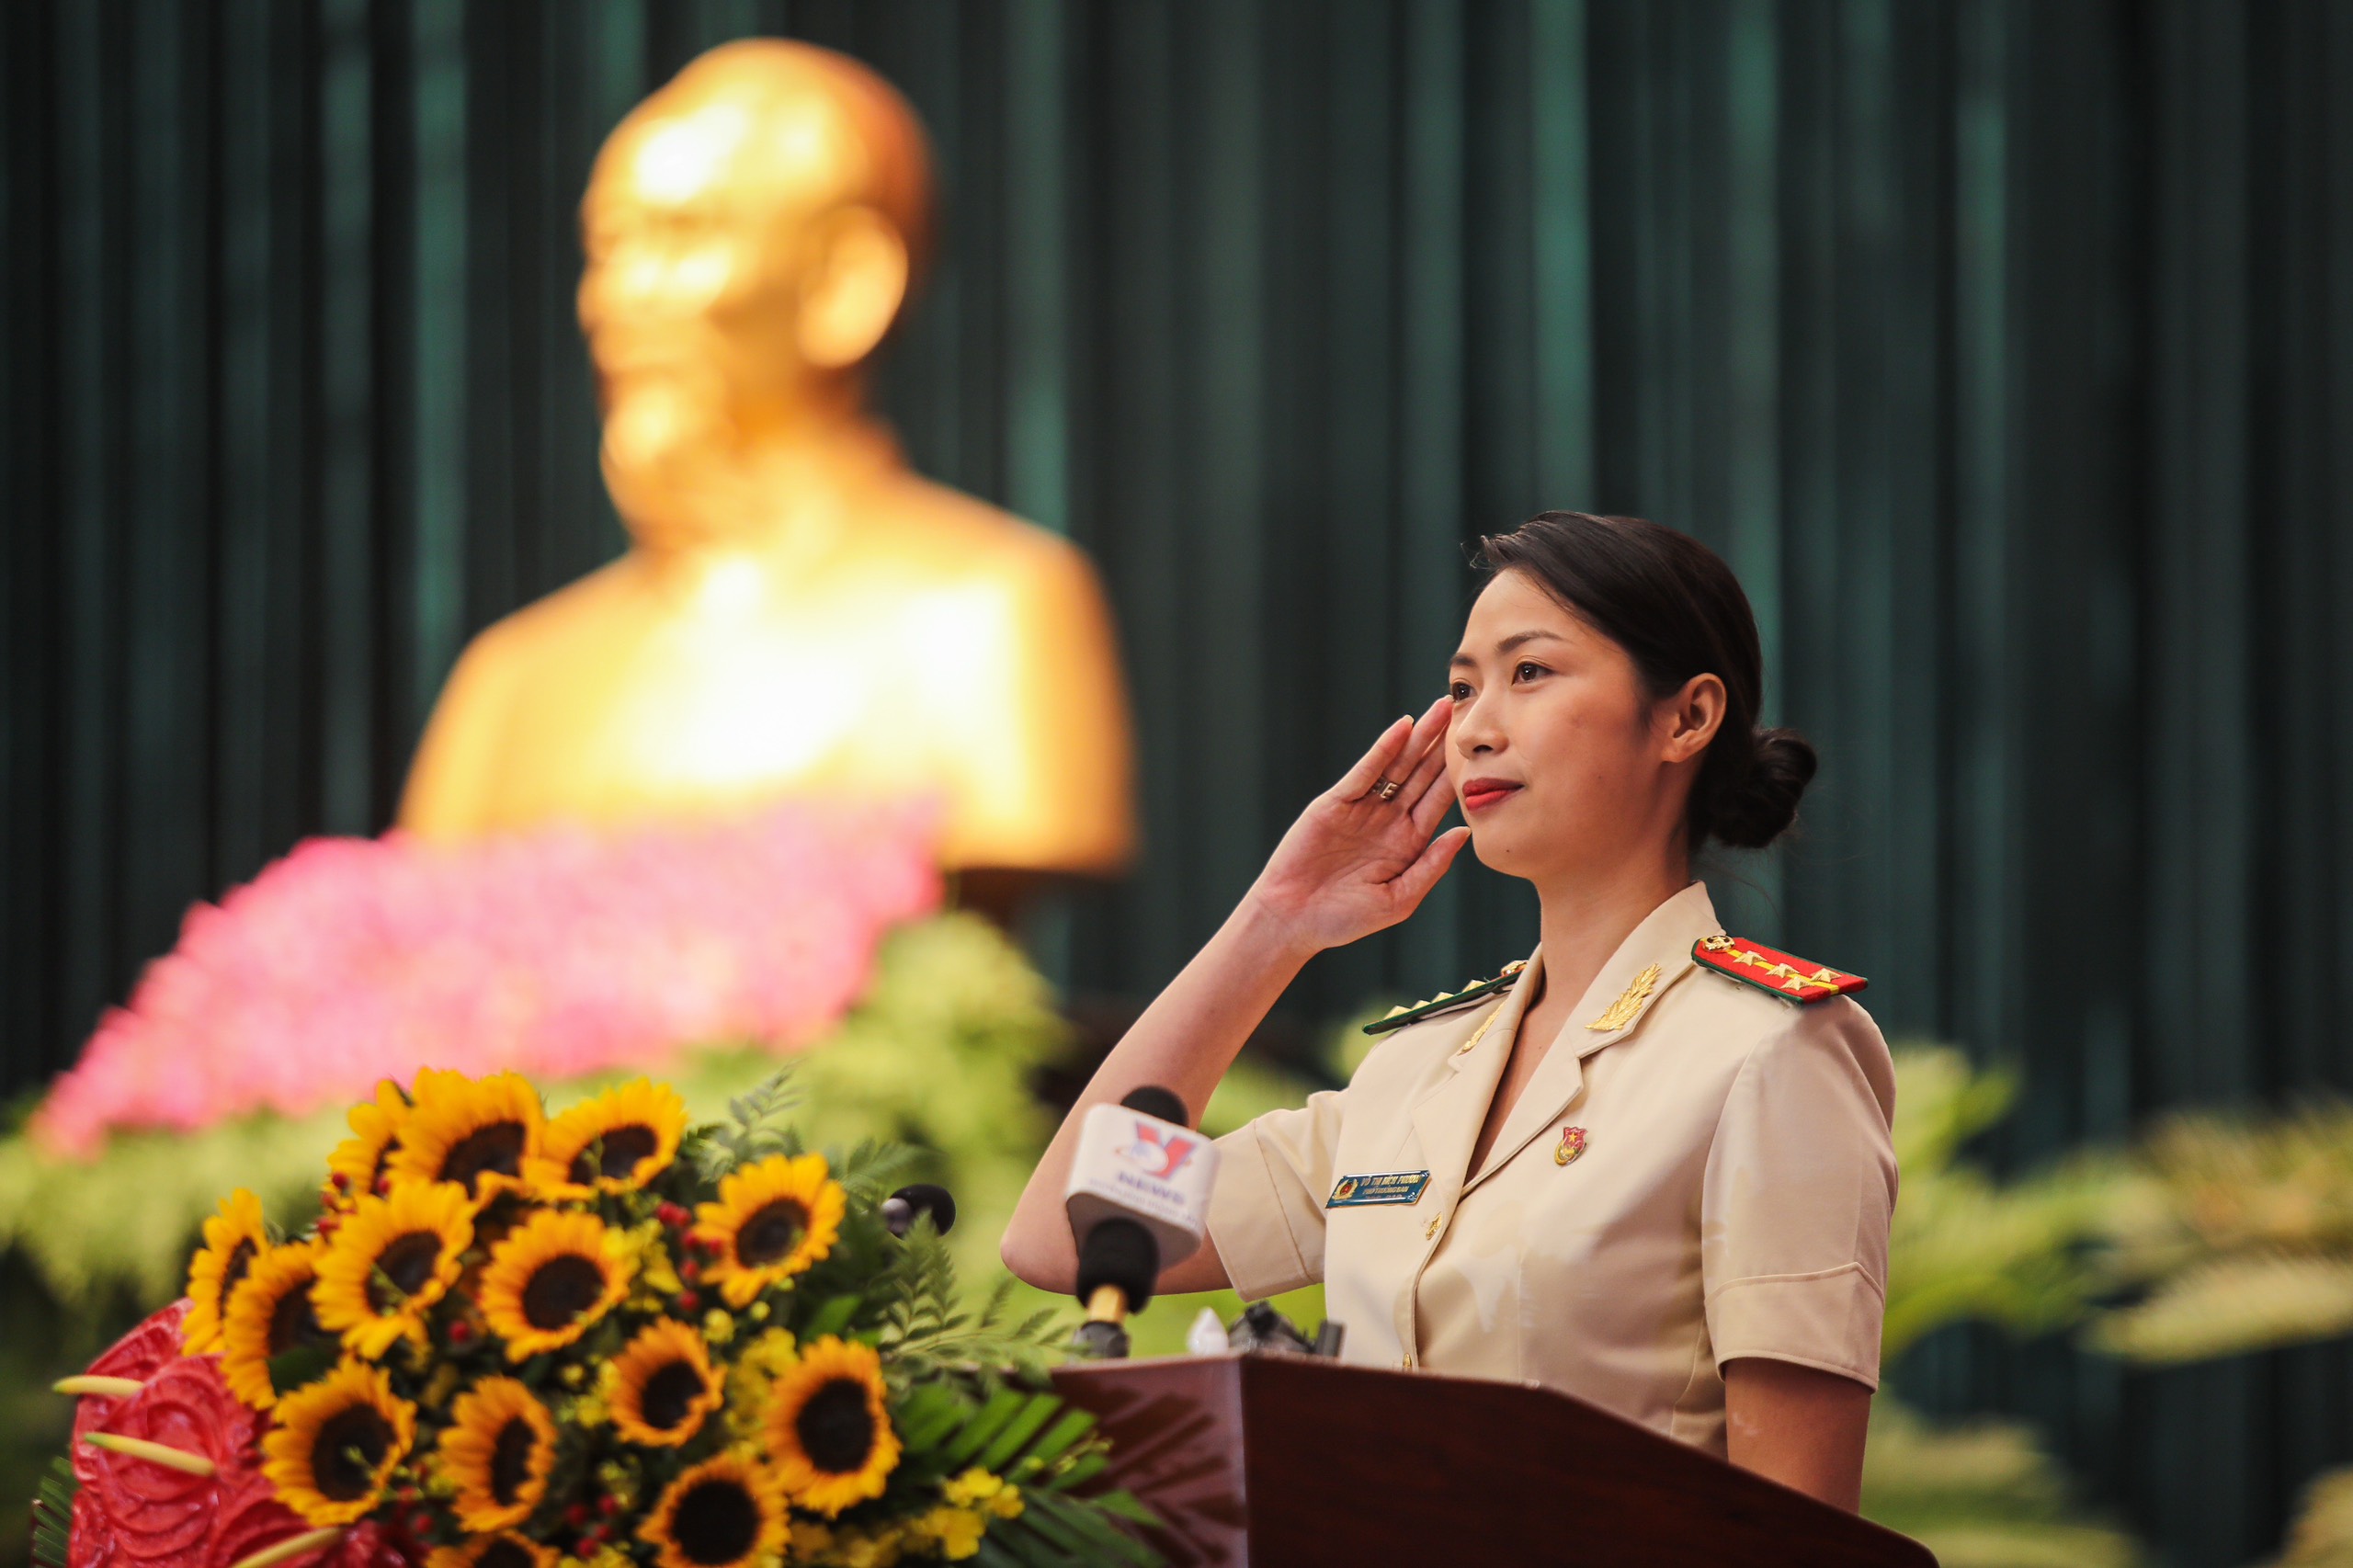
(1964, 1247)
(1034, 1440)
(1980, 1495)
(2237, 1235)
(53, 1516)
(927, 1327)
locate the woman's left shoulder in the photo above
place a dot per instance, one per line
(1782, 1006)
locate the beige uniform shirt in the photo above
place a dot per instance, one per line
(1731, 1197)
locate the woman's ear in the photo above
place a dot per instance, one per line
(1694, 715)
(856, 281)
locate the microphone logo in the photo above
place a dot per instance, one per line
(1161, 1154)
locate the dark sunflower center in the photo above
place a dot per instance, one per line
(239, 1261)
(503, 1553)
(561, 1290)
(495, 1148)
(621, 1148)
(407, 1264)
(510, 1461)
(292, 1323)
(716, 1523)
(349, 1446)
(772, 1233)
(669, 1394)
(836, 1428)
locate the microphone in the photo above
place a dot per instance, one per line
(1139, 1200)
(901, 1208)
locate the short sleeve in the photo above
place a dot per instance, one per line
(1267, 1211)
(1798, 1190)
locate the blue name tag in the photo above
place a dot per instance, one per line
(1390, 1187)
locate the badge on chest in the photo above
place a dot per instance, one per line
(1387, 1186)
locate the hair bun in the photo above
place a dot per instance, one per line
(1754, 800)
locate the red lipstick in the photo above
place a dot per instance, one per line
(1477, 794)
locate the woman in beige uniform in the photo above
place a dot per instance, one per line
(1651, 1167)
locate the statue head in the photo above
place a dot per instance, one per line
(752, 232)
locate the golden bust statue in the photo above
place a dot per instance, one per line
(799, 613)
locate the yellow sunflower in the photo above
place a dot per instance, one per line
(270, 1313)
(496, 1454)
(232, 1238)
(549, 1281)
(503, 1551)
(615, 1142)
(391, 1260)
(773, 1218)
(723, 1511)
(475, 1133)
(828, 1433)
(331, 1444)
(357, 1162)
(664, 1385)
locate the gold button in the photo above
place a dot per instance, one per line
(1431, 1229)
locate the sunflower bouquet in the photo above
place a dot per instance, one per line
(600, 1339)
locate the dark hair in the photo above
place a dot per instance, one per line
(1677, 610)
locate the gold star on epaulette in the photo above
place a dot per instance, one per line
(1447, 1001)
(1792, 979)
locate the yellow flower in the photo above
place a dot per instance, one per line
(474, 1134)
(331, 1444)
(828, 1431)
(717, 1327)
(391, 1260)
(772, 1354)
(810, 1538)
(664, 1385)
(649, 1258)
(723, 1511)
(232, 1238)
(549, 1280)
(979, 1488)
(357, 1162)
(878, 1546)
(496, 1453)
(270, 1313)
(958, 1531)
(615, 1142)
(774, 1219)
(503, 1551)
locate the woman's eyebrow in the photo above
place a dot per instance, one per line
(1506, 645)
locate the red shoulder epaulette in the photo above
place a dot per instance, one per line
(1792, 979)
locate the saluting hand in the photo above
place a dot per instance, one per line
(1353, 863)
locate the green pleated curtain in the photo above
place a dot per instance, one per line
(2002, 346)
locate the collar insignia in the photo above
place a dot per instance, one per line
(1447, 1001)
(1622, 1012)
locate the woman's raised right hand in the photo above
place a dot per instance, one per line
(1353, 863)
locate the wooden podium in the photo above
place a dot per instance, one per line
(1269, 1461)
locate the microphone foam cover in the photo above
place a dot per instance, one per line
(1153, 1100)
(899, 1210)
(1122, 1252)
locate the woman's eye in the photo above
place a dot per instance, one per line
(1458, 691)
(1527, 672)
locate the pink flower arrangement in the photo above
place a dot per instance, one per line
(554, 953)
